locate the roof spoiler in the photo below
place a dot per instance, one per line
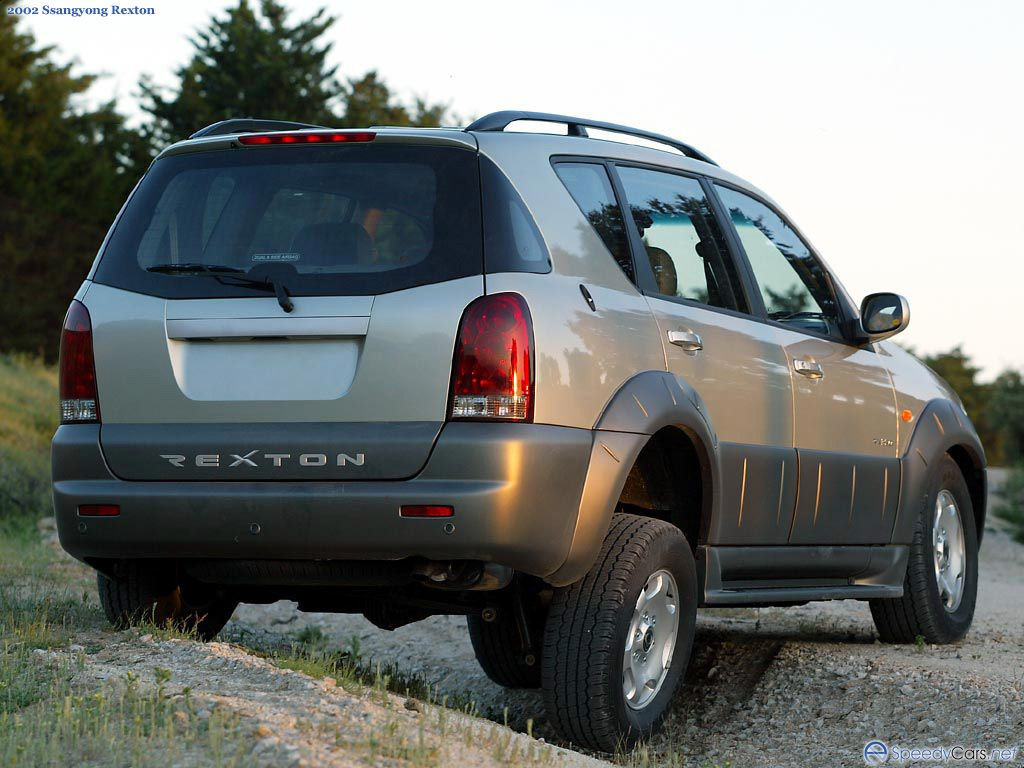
(577, 126)
(251, 125)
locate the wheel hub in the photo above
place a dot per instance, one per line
(950, 551)
(651, 640)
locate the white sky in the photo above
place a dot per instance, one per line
(890, 131)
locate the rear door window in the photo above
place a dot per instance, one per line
(682, 239)
(322, 220)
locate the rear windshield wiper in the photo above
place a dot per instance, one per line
(224, 273)
(192, 267)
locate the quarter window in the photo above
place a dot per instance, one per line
(682, 238)
(795, 287)
(590, 187)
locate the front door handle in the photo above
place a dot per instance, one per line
(808, 368)
(688, 340)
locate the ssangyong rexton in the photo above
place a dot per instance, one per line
(571, 388)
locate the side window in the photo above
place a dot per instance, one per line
(512, 242)
(590, 187)
(795, 288)
(683, 240)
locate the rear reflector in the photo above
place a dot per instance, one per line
(78, 397)
(426, 510)
(320, 137)
(98, 510)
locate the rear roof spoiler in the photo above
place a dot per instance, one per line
(577, 126)
(251, 125)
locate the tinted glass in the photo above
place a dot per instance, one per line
(323, 220)
(795, 287)
(512, 242)
(683, 240)
(590, 187)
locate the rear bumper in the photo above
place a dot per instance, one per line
(517, 490)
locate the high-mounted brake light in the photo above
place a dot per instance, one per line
(318, 137)
(79, 401)
(492, 376)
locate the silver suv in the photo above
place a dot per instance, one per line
(571, 388)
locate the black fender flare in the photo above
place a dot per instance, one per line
(941, 428)
(645, 404)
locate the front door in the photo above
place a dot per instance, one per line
(737, 365)
(845, 425)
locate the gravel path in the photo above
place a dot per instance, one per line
(767, 687)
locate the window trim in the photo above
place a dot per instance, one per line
(847, 315)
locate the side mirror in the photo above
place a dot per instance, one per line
(883, 315)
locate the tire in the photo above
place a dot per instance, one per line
(923, 611)
(138, 592)
(499, 647)
(584, 654)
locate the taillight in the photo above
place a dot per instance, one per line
(320, 137)
(492, 376)
(79, 401)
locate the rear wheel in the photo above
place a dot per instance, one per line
(137, 592)
(617, 642)
(941, 585)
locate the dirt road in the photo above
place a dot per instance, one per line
(769, 687)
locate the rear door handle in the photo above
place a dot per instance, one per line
(688, 340)
(809, 369)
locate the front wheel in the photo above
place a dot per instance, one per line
(941, 584)
(135, 592)
(617, 642)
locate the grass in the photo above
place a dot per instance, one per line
(1011, 506)
(48, 717)
(28, 418)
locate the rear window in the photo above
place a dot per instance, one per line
(322, 220)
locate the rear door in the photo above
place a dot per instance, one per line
(202, 372)
(845, 407)
(736, 364)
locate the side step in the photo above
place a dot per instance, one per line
(782, 575)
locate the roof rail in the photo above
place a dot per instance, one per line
(577, 126)
(250, 125)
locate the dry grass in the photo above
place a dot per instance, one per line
(28, 418)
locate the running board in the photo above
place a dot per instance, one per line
(799, 574)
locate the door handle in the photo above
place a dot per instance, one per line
(809, 369)
(688, 340)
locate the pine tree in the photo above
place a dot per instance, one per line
(259, 64)
(64, 172)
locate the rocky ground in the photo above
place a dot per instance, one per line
(294, 719)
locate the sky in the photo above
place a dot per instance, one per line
(890, 132)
